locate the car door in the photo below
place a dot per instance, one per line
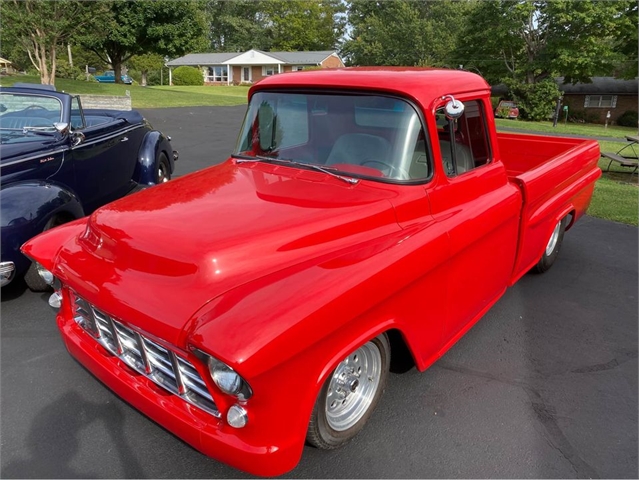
(104, 162)
(479, 209)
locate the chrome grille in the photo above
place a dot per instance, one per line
(163, 366)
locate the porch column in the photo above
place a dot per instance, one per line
(170, 76)
(279, 68)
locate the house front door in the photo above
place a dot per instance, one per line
(246, 74)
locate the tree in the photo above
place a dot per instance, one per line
(529, 41)
(385, 33)
(162, 27)
(275, 24)
(42, 26)
(146, 63)
(238, 26)
(404, 32)
(305, 25)
(626, 41)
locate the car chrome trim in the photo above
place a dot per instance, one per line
(107, 137)
(7, 269)
(159, 364)
(36, 156)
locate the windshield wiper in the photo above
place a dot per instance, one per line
(256, 158)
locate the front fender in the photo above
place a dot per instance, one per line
(25, 209)
(152, 145)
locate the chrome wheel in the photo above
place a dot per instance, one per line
(353, 387)
(552, 243)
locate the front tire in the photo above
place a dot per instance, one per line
(32, 278)
(164, 169)
(349, 395)
(552, 247)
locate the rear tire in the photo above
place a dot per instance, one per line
(349, 395)
(552, 247)
(32, 277)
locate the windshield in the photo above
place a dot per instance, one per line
(23, 116)
(369, 136)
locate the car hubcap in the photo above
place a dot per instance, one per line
(162, 176)
(353, 387)
(552, 243)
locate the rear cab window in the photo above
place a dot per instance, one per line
(464, 142)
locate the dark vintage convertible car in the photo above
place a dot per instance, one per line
(60, 162)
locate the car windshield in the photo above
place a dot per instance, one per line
(24, 117)
(368, 136)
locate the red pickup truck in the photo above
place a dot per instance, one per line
(365, 214)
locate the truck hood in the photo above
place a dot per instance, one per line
(155, 258)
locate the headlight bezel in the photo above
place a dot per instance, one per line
(217, 370)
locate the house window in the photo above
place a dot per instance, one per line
(218, 74)
(600, 101)
(298, 68)
(268, 70)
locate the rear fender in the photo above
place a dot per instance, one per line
(152, 145)
(25, 209)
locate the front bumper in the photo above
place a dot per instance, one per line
(209, 435)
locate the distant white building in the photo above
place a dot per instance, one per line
(249, 67)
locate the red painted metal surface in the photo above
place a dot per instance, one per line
(280, 272)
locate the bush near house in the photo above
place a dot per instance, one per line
(582, 116)
(536, 101)
(629, 118)
(187, 76)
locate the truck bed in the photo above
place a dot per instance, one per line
(556, 176)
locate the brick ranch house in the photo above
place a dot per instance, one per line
(596, 99)
(249, 67)
(603, 95)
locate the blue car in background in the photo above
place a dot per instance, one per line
(109, 77)
(60, 162)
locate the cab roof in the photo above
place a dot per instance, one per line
(424, 84)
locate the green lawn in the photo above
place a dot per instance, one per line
(150, 97)
(616, 194)
(587, 130)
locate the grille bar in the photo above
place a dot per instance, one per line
(161, 365)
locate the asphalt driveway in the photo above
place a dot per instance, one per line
(544, 386)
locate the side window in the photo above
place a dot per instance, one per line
(77, 119)
(463, 143)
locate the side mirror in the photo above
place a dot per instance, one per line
(62, 127)
(454, 108)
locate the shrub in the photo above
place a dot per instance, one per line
(187, 76)
(64, 70)
(536, 101)
(629, 118)
(582, 116)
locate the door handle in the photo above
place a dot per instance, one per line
(124, 139)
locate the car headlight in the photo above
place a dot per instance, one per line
(47, 276)
(226, 379)
(55, 300)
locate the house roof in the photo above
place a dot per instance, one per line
(289, 58)
(4, 60)
(599, 85)
(202, 59)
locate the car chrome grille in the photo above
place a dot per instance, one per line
(163, 366)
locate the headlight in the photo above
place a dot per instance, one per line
(226, 379)
(45, 274)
